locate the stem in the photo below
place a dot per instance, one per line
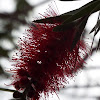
(7, 90)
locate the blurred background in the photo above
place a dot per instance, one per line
(15, 16)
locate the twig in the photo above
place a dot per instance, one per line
(7, 90)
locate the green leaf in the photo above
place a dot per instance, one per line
(98, 46)
(62, 17)
(79, 31)
(78, 25)
(64, 27)
(96, 28)
(87, 9)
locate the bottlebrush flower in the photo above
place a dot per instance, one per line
(45, 59)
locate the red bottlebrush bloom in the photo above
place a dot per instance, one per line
(45, 59)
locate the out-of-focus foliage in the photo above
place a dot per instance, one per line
(11, 21)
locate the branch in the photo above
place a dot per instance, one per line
(7, 90)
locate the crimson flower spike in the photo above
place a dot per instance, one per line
(45, 59)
